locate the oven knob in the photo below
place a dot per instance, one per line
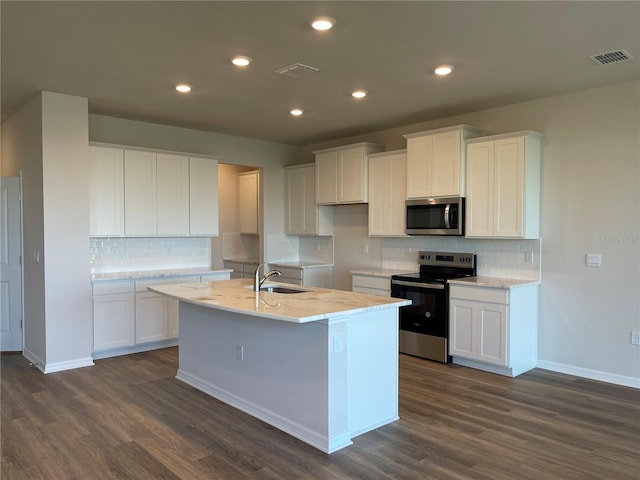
(427, 314)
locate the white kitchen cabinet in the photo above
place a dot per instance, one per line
(113, 315)
(494, 329)
(371, 284)
(106, 193)
(313, 276)
(248, 202)
(203, 196)
(342, 173)
(387, 193)
(241, 268)
(139, 192)
(503, 186)
(172, 194)
(436, 161)
(303, 215)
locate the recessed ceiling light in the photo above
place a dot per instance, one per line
(323, 23)
(359, 94)
(296, 112)
(183, 88)
(443, 70)
(241, 61)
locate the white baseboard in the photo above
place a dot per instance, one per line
(590, 374)
(34, 359)
(68, 365)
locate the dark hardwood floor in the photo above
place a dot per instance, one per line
(129, 418)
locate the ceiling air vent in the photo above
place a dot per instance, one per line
(606, 58)
(296, 70)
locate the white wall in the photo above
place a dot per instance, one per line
(48, 140)
(590, 203)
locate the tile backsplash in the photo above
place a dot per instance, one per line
(496, 258)
(115, 254)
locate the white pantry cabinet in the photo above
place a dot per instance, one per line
(106, 194)
(494, 329)
(503, 186)
(436, 161)
(248, 202)
(342, 173)
(303, 215)
(387, 193)
(113, 315)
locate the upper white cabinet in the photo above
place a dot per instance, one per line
(387, 193)
(147, 193)
(203, 196)
(106, 195)
(303, 216)
(248, 203)
(436, 161)
(503, 186)
(342, 173)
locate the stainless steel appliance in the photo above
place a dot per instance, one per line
(435, 216)
(424, 325)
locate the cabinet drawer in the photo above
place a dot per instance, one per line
(141, 285)
(287, 272)
(380, 283)
(371, 291)
(478, 294)
(112, 288)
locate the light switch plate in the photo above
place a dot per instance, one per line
(593, 260)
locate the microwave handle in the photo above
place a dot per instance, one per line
(447, 223)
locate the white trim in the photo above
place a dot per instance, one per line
(68, 365)
(34, 359)
(143, 347)
(624, 380)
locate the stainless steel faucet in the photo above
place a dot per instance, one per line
(257, 281)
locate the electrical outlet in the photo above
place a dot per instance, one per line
(593, 260)
(635, 337)
(365, 248)
(239, 352)
(528, 257)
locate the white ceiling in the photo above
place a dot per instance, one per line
(126, 58)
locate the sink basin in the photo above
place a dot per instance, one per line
(280, 289)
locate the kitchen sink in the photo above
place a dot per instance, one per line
(279, 289)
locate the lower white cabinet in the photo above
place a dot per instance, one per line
(241, 269)
(315, 276)
(494, 329)
(371, 284)
(113, 315)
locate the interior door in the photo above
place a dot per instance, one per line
(10, 266)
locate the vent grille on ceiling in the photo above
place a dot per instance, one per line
(606, 58)
(296, 70)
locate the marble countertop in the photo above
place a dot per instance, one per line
(169, 272)
(298, 264)
(380, 272)
(312, 305)
(242, 260)
(493, 282)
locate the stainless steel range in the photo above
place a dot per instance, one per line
(424, 325)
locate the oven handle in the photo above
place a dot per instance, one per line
(447, 223)
(426, 286)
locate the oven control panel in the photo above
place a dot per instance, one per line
(466, 260)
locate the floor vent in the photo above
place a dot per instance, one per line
(296, 70)
(606, 58)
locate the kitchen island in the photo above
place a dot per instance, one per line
(321, 365)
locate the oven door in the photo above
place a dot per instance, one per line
(427, 313)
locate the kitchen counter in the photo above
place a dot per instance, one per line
(298, 264)
(321, 365)
(312, 305)
(380, 272)
(493, 282)
(165, 272)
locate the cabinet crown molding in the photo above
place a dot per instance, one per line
(454, 128)
(500, 136)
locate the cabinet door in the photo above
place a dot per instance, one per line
(296, 207)
(508, 187)
(172, 194)
(327, 177)
(151, 319)
(387, 194)
(377, 197)
(462, 328)
(203, 196)
(445, 165)
(106, 195)
(113, 325)
(248, 202)
(139, 193)
(352, 176)
(491, 330)
(419, 158)
(479, 203)
(172, 313)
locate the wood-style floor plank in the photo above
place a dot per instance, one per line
(129, 418)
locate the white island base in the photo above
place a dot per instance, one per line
(324, 382)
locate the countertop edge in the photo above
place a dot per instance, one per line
(494, 282)
(153, 274)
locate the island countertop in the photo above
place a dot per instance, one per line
(311, 305)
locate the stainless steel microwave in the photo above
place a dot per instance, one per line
(435, 216)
